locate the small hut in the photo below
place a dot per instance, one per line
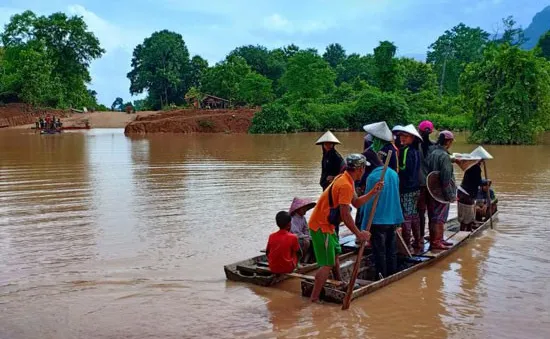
(214, 102)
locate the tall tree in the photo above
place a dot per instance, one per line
(255, 90)
(118, 104)
(512, 34)
(198, 67)
(356, 66)
(509, 93)
(543, 46)
(334, 55)
(308, 76)
(67, 46)
(450, 53)
(161, 66)
(417, 75)
(387, 68)
(223, 79)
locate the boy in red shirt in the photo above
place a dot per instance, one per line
(282, 246)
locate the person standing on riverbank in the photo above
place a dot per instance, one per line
(323, 237)
(332, 163)
(425, 128)
(409, 187)
(439, 160)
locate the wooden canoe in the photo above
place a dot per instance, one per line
(367, 273)
(256, 271)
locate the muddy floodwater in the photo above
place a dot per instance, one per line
(104, 236)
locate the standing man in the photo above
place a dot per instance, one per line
(439, 160)
(425, 128)
(325, 242)
(387, 217)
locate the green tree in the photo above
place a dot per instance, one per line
(335, 54)
(67, 47)
(452, 51)
(198, 67)
(509, 94)
(374, 105)
(255, 90)
(140, 105)
(223, 79)
(417, 75)
(512, 34)
(117, 105)
(543, 46)
(387, 67)
(290, 50)
(308, 76)
(356, 66)
(273, 118)
(161, 66)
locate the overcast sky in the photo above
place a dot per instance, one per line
(212, 28)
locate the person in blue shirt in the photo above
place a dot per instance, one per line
(387, 217)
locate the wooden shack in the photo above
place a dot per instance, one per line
(210, 102)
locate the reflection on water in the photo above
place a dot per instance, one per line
(106, 236)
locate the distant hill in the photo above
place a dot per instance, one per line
(539, 26)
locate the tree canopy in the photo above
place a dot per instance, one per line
(47, 58)
(161, 66)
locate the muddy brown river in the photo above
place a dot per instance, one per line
(104, 236)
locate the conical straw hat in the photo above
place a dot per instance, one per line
(409, 129)
(379, 130)
(465, 160)
(481, 153)
(327, 137)
(298, 203)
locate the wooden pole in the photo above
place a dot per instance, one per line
(357, 265)
(488, 194)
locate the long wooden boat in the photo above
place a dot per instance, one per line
(367, 280)
(255, 270)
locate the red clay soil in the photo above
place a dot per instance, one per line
(194, 121)
(23, 114)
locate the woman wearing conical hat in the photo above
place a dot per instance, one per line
(383, 142)
(409, 184)
(332, 163)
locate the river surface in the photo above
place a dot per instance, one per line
(104, 236)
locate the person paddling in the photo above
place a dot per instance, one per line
(439, 160)
(332, 163)
(336, 201)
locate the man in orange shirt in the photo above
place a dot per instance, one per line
(282, 246)
(325, 242)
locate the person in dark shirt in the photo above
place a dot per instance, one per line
(482, 203)
(466, 195)
(332, 163)
(409, 186)
(425, 128)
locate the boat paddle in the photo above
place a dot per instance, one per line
(488, 194)
(357, 265)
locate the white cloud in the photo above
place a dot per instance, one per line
(278, 23)
(110, 35)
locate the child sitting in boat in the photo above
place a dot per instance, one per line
(299, 226)
(482, 203)
(282, 246)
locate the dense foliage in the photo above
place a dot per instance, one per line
(45, 60)
(509, 93)
(471, 80)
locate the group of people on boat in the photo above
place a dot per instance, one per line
(49, 123)
(419, 178)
